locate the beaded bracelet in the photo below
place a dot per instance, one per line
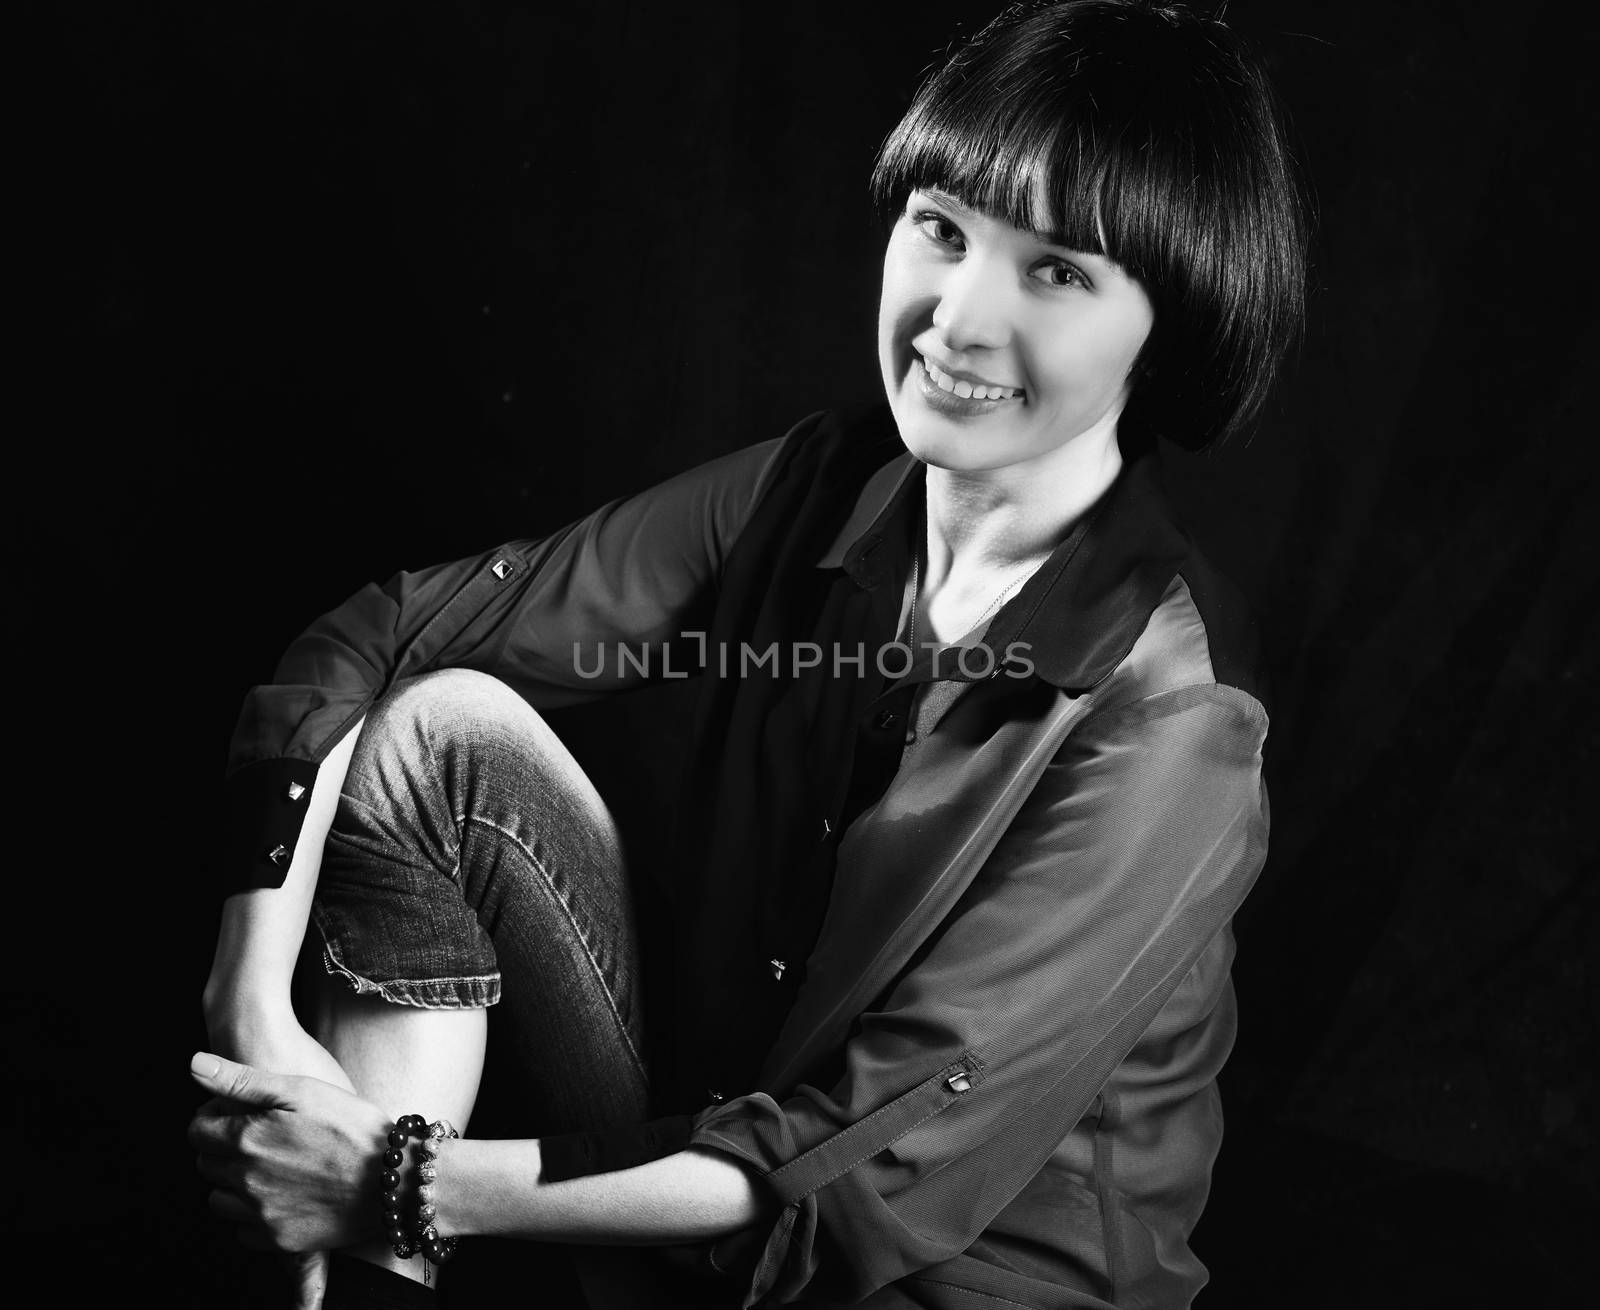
(435, 1249)
(420, 1235)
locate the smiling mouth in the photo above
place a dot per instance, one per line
(963, 389)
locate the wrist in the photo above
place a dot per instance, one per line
(450, 1214)
(408, 1180)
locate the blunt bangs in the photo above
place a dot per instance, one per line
(1149, 135)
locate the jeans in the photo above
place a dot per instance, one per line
(471, 863)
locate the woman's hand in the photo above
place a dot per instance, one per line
(293, 1160)
(271, 1038)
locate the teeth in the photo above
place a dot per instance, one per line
(964, 389)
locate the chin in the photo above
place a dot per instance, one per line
(945, 446)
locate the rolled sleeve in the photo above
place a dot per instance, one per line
(599, 606)
(1130, 855)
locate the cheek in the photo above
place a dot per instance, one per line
(896, 291)
(886, 328)
(887, 297)
(1133, 333)
(1092, 362)
(903, 308)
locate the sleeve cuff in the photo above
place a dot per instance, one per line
(265, 809)
(576, 1155)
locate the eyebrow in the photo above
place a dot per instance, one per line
(1056, 239)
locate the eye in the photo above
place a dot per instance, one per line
(1059, 273)
(938, 229)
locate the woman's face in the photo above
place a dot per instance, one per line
(997, 347)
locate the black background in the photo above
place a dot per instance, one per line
(316, 291)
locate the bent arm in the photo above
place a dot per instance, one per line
(1130, 855)
(633, 572)
(548, 616)
(292, 1157)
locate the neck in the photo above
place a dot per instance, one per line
(1004, 519)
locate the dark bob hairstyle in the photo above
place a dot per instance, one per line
(1148, 134)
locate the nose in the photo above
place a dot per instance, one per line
(973, 312)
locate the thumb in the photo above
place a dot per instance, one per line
(238, 1082)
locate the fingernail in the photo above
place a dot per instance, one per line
(204, 1065)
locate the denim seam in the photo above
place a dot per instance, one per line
(577, 927)
(438, 775)
(385, 989)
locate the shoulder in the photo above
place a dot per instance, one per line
(724, 495)
(834, 448)
(1200, 632)
(1200, 643)
(843, 445)
(1130, 607)
(834, 471)
(1181, 710)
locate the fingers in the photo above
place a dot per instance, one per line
(253, 1231)
(225, 1205)
(215, 1134)
(216, 1108)
(257, 1238)
(222, 1171)
(240, 1083)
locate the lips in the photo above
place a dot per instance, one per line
(966, 387)
(959, 395)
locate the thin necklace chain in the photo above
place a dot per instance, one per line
(916, 597)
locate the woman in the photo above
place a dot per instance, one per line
(976, 790)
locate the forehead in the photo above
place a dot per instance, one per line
(1032, 185)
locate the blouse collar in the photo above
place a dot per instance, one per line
(1082, 610)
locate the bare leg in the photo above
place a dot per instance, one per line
(408, 1060)
(472, 864)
